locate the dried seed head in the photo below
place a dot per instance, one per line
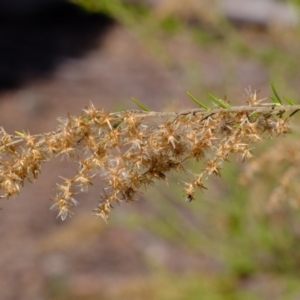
(128, 151)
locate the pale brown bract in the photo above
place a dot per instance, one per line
(131, 150)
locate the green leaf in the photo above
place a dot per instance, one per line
(118, 123)
(274, 100)
(19, 133)
(277, 98)
(253, 116)
(289, 101)
(220, 102)
(197, 101)
(140, 105)
(294, 112)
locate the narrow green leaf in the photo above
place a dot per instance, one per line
(252, 116)
(140, 105)
(118, 123)
(277, 98)
(220, 102)
(19, 133)
(289, 101)
(274, 100)
(294, 112)
(197, 101)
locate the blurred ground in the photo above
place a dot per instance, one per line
(84, 258)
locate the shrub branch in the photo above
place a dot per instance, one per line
(131, 150)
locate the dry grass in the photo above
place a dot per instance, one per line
(131, 150)
(282, 161)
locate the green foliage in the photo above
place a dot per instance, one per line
(140, 105)
(171, 25)
(197, 101)
(219, 102)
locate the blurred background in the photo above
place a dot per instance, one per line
(58, 56)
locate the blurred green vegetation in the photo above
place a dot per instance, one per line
(257, 252)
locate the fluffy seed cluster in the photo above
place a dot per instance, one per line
(131, 150)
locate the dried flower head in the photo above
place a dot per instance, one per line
(132, 150)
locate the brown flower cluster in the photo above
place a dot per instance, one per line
(131, 150)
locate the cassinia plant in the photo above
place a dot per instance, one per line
(131, 150)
